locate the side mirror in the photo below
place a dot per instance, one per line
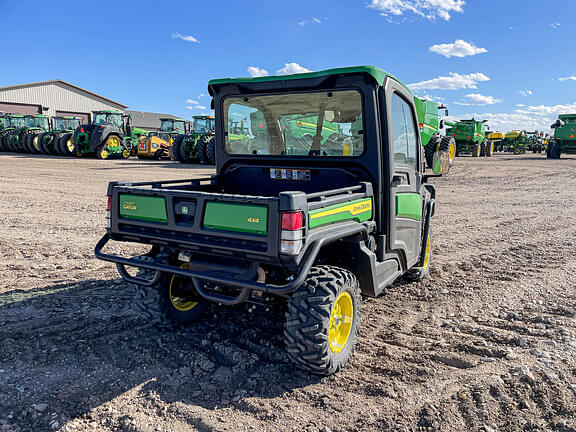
(441, 126)
(446, 112)
(212, 104)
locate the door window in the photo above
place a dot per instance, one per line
(404, 133)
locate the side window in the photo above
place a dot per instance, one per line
(404, 133)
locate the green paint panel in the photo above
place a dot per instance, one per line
(147, 208)
(357, 210)
(409, 206)
(245, 218)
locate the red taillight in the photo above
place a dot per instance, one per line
(420, 125)
(453, 135)
(292, 221)
(261, 126)
(81, 130)
(468, 136)
(109, 203)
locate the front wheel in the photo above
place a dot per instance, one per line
(476, 150)
(323, 319)
(418, 274)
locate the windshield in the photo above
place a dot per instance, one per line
(64, 123)
(38, 122)
(16, 122)
(108, 118)
(166, 125)
(203, 125)
(322, 123)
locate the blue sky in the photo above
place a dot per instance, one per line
(507, 60)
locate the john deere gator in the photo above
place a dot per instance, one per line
(197, 144)
(535, 141)
(157, 144)
(109, 135)
(440, 151)
(470, 137)
(54, 142)
(12, 124)
(516, 142)
(564, 140)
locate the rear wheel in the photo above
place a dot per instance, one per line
(201, 145)
(179, 300)
(323, 319)
(210, 149)
(186, 149)
(489, 148)
(66, 145)
(448, 144)
(555, 151)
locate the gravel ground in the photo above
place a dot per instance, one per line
(486, 343)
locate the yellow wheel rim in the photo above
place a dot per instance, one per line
(125, 154)
(104, 154)
(70, 144)
(341, 318)
(179, 303)
(114, 141)
(491, 148)
(427, 253)
(478, 151)
(452, 153)
(35, 143)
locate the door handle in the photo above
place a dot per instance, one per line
(398, 180)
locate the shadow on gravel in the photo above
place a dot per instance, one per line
(75, 346)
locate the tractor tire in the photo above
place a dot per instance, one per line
(476, 152)
(211, 150)
(25, 144)
(430, 149)
(186, 151)
(201, 145)
(322, 320)
(556, 150)
(489, 148)
(482, 149)
(66, 146)
(175, 149)
(448, 144)
(42, 142)
(416, 275)
(102, 152)
(34, 144)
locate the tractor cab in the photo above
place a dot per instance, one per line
(65, 123)
(115, 118)
(37, 121)
(172, 125)
(14, 121)
(203, 124)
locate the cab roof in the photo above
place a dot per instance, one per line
(171, 118)
(110, 111)
(377, 74)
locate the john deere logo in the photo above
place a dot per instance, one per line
(129, 205)
(185, 210)
(254, 220)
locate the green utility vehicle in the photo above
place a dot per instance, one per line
(516, 142)
(440, 151)
(157, 144)
(309, 229)
(56, 140)
(13, 124)
(470, 136)
(564, 140)
(197, 144)
(535, 141)
(109, 135)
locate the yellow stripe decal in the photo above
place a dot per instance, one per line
(353, 209)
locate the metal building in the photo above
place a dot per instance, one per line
(54, 97)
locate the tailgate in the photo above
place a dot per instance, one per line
(212, 223)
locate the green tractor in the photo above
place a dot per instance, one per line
(564, 140)
(109, 135)
(12, 124)
(156, 145)
(470, 137)
(24, 138)
(439, 151)
(535, 141)
(516, 142)
(197, 144)
(56, 141)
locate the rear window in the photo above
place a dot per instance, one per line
(327, 123)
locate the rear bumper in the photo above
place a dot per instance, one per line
(242, 279)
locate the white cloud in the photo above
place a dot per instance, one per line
(572, 78)
(520, 105)
(432, 98)
(314, 20)
(196, 107)
(201, 95)
(187, 38)
(459, 48)
(192, 101)
(525, 92)
(555, 25)
(255, 71)
(292, 68)
(454, 81)
(533, 117)
(478, 99)
(429, 9)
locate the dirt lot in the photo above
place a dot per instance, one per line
(487, 342)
